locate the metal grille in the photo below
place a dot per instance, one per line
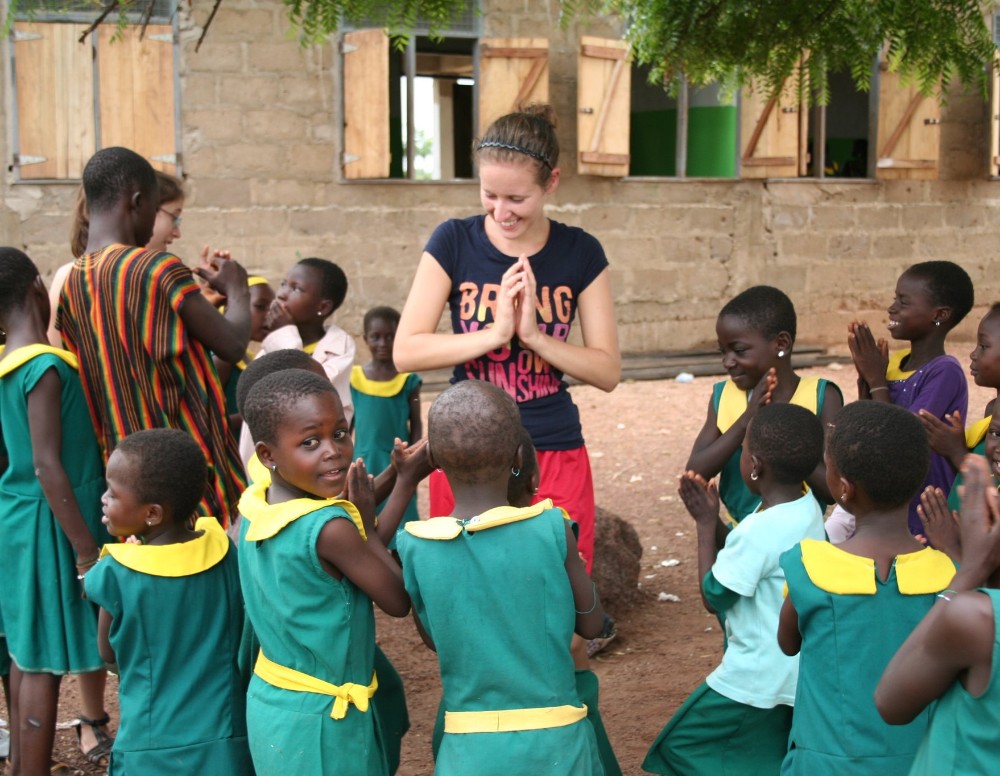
(467, 23)
(88, 10)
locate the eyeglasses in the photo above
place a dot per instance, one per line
(175, 216)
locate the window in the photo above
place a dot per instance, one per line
(71, 98)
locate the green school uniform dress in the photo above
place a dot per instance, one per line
(308, 710)
(730, 403)
(49, 627)
(492, 593)
(176, 619)
(962, 736)
(382, 413)
(852, 624)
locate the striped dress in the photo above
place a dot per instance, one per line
(119, 313)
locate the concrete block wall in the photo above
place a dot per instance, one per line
(261, 141)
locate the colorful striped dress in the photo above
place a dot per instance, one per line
(120, 314)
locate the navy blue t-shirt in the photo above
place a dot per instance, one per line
(569, 262)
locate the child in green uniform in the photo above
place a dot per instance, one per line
(50, 490)
(951, 662)
(171, 614)
(738, 720)
(850, 606)
(311, 564)
(499, 591)
(756, 331)
(386, 401)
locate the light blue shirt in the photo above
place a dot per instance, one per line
(754, 671)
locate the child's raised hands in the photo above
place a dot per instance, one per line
(277, 316)
(223, 275)
(701, 499)
(762, 392)
(411, 461)
(940, 524)
(980, 524)
(871, 357)
(946, 437)
(361, 493)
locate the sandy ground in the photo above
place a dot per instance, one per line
(639, 437)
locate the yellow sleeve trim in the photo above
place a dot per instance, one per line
(894, 371)
(311, 348)
(447, 528)
(733, 401)
(975, 433)
(835, 571)
(175, 560)
(732, 404)
(20, 356)
(384, 388)
(924, 571)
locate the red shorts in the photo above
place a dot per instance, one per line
(565, 478)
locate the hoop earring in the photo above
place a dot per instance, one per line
(754, 476)
(515, 472)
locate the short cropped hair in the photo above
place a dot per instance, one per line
(519, 487)
(949, 285)
(113, 172)
(17, 273)
(473, 429)
(168, 468)
(268, 402)
(267, 364)
(765, 309)
(789, 439)
(882, 449)
(333, 281)
(381, 313)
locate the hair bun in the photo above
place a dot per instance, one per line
(540, 110)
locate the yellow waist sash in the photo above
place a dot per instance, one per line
(296, 681)
(510, 720)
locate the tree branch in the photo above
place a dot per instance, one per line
(208, 23)
(104, 15)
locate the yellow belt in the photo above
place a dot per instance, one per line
(509, 720)
(290, 679)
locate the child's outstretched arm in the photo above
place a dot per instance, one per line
(412, 465)
(711, 448)
(366, 563)
(701, 500)
(104, 648)
(954, 642)
(789, 637)
(589, 612)
(45, 425)
(227, 336)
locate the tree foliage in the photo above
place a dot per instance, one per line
(318, 19)
(930, 42)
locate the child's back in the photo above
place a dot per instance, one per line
(850, 606)
(502, 639)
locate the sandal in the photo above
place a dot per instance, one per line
(61, 769)
(100, 753)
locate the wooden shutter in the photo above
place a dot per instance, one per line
(136, 83)
(54, 82)
(909, 131)
(366, 104)
(604, 100)
(995, 118)
(774, 133)
(512, 72)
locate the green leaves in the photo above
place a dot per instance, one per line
(317, 20)
(732, 41)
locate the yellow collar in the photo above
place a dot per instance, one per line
(447, 528)
(267, 520)
(836, 571)
(385, 388)
(976, 433)
(895, 371)
(184, 559)
(20, 356)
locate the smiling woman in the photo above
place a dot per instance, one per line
(514, 281)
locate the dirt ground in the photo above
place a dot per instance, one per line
(638, 437)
